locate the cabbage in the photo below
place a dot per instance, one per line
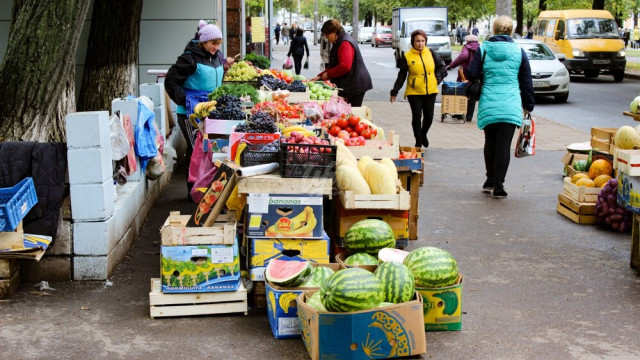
(262, 96)
(634, 105)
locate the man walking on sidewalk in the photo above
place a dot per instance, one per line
(285, 34)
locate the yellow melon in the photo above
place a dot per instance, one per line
(578, 176)
(600, 167)
(585, 182)
(601, 180)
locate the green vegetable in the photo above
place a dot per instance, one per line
(259, 61)
(238, 90)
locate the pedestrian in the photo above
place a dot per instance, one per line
(464, 60)
(424, 70)
(199, 68)
(458, 33)
(625, 36)
(636, 38)
(475, 30)
(285, 34)
(297, 49)
(325, 51)
(292, 30)
(529, 33)
(507, 92)
(276, 31)
(346, 66)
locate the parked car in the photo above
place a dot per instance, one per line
(550, 76)
(364, 34)
(348, 29)
(381, 36)
(307, 26)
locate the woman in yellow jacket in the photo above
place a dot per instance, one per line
(424, 70)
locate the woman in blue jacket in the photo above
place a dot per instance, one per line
(507, 94)
(196, 73)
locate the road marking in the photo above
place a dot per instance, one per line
(388, 65)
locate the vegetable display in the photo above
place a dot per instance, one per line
(259, 61)
(608, 212)
(240, 90)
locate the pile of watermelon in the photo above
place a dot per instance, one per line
(296, 273)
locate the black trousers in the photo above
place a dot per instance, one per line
(497, 151)
(421, 116)
(187, 133)
(297, 62)
(471, 107)
(277, 38)
(353, 100)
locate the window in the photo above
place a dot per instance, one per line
(560, 29)
(551, 26)
(592, 28)
(542, 26)
(537, 51)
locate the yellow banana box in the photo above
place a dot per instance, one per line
(282, 308)
(263, 250)
(284, 216)
(394, 331)
(443, 307)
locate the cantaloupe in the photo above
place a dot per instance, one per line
(600, 167)
(585, 182)
(601, 180)
(626, 138)
(578, 176)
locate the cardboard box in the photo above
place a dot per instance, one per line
(602, 139)
(341, 257)
(454, 104)
(174, 231)
(397, 219)
(282, 307)
(263, 250)
(628, 192)
(216, 195)
(284, 216)
(443, 307)
(381, 333)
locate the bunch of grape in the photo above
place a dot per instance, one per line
(240, 71)
(297, 86)
(272, 83)
(259, 122)
(228, 108)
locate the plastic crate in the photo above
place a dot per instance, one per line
(252, 155)
(15, 203)
(318, 161)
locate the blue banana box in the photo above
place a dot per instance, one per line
(284, 216)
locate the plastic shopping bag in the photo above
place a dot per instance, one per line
(526, 144)
(119, 141)
(335, 106)
(288, 63)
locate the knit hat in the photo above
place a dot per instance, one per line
(470, 38)
(208, 32)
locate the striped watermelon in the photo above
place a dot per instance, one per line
(288, 273)
(397, 282)
(318, 276)
(315, 302)
(432, 267)
(361, 259)
(351, 289)
(369, 236)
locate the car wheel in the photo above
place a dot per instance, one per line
(618, 76)
(561, 98)
(372, 44)
(591, 73)
(377, 45)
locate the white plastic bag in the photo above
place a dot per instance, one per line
(119, 141)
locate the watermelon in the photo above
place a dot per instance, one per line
(432, 267)
(369, 236)
(351, 289)
(315, 302)
(388, 254)
(318, 276)
(361, 259)
(397, 282)
(287, 273)
(385, 304)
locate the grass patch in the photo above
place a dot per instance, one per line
(633, 66)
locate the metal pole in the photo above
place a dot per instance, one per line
(315, 22)
(243, 30)
(271, 34)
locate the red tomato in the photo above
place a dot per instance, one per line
(343, 134)
(360, 127)
(354, 120)
(374, 131)
(335, 130)
(349, 128)
(342, 122)
(353, 134)
(366, 133)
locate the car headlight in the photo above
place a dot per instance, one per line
(446, 46)
(562, 72)
(621, 53)
(577, 53)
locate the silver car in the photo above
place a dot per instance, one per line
(364, 34)
(550, 76)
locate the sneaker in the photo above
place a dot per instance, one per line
(499, 193)
(487, 187)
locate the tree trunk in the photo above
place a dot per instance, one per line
(519, 17)
(355, 24)
(112, 54)
(598, 5)
(503, 7)
(542, 5)
(37, 86)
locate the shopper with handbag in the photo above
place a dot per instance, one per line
(424, 70)
(464, 60)
(507, 92)
(297, 49)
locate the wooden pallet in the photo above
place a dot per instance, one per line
(9, 277)
(635, 242)
(581, 213)
(188, 304)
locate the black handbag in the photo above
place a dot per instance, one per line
(306, 64)
(474, 89)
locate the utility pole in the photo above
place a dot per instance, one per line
(356, 10)
(315, 22)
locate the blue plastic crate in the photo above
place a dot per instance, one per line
(15, 203)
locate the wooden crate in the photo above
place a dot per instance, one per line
(580, 194)
(174, 231)
(188, 304)
(454, 104)
(379, 149)
(602, 139)
(259, 295)
(581, 213)
(421, 155)
(635, 242)
(401, 200)
(9, 277)
(275, 184)
(411, 181)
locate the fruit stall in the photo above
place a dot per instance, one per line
(602, 181)
(304, 206)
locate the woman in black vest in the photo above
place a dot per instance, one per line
(346, 67)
